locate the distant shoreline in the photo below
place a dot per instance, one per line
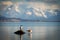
(29, 21)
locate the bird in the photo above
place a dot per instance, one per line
(29, 30)
(20, 32)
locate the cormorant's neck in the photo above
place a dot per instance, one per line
(20, 28)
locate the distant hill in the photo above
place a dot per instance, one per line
(5, 19)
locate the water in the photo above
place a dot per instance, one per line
(40, 30)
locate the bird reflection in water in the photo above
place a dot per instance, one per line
(29, 33)
(21, 37)
(30, 36)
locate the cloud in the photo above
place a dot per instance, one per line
(41, 5)
(29, 8)
(40, 12)
(52, 12)
(40, 8)
(7, 3)
(29, 13)
(37, 5)
(17, 9)
(9, 8)
(44, 6)
(12, 14)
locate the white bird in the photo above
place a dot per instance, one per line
(29, 30)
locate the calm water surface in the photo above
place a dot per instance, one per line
(40, 30)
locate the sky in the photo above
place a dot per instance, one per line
(30, 9)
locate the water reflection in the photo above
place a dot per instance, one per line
(20, 37)
(30, 36)
(39, 33)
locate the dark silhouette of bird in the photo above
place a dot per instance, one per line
(20, 32)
